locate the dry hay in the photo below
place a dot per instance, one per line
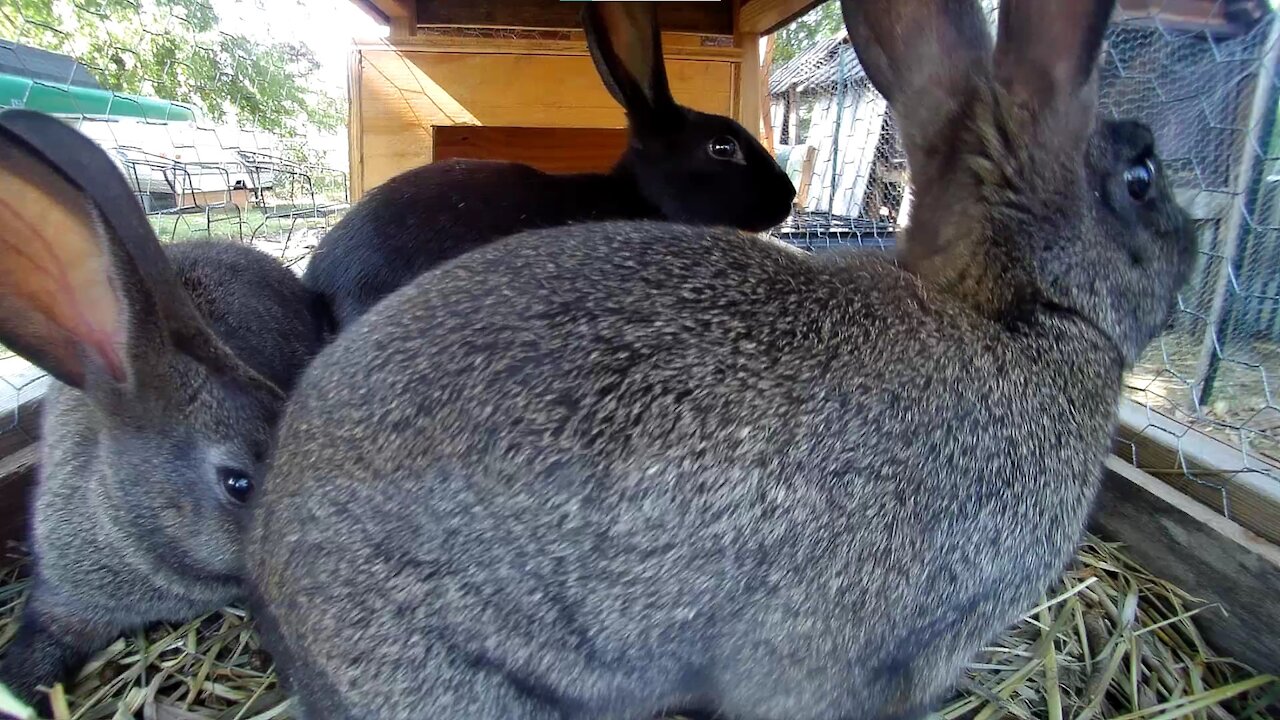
(1110, 642)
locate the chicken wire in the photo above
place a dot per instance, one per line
(1201, 406)
(195, 178)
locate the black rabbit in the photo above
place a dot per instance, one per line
(608, 469)
(172, 364)
(680, 164)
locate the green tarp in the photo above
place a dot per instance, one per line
(18, 91)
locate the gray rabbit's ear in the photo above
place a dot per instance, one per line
(626, 45)
(923, 56)
(65, 293)
(1046, 55)
(86, 291)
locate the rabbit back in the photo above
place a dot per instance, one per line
(434, 213)
(698, 417)
(650, 466)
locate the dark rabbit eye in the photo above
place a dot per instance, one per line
(236, 483)
(723, 148)
(1138, 179)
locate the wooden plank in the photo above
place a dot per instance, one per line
(1202, 467)
(388, 11)
(709, 18)
(1229, 17)
(1205, 554)
(763, 17)
(402, 28)
(766, 104)
(748, 85)
(405, 95)
(674, 45)
(355, 128)
(555, 150)
(806, 175)
(17, 477)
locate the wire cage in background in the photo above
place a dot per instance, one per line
(1203, 407)
(196, 177)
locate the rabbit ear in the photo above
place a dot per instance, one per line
(86, 290)
(626, 46)
(921, 55)
(62, 304)
(1048, 49)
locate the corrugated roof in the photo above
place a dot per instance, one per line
(819, 66)
(36, 64)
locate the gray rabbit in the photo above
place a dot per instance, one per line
(680, 164)
(172, 364)
(613, 469)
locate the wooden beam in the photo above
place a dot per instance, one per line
(355, 128)
(675, 46)
(749, 84)
(1202, 467)
(1206, 555)
(762, 17)
(706, 18)
(766, 106)
(388, 12)
(1219, 17)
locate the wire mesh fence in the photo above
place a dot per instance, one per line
(111, 68)
(1203, 408)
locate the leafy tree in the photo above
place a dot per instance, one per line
(818, 24)
(173, 49)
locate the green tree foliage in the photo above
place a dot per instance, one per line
(174, 50)
(818, 24)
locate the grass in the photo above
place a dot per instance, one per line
(1109, 641)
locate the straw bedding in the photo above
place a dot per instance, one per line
(1109, 641)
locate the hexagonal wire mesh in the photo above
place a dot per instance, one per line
(1203, 408)
(194, 170)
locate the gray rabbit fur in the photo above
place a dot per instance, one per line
(670, 170)
(614, 469)
(170, 367)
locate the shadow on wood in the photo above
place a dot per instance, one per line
(553, 150)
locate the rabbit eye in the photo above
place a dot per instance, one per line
(723, 148)
(1138, 179)
(236, 483)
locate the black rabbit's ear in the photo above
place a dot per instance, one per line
(626, 45)
(86, 291)
(922, 55)
(1048, 49)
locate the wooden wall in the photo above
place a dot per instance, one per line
(402, 92)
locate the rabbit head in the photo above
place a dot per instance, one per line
(155, 429)
(1024, 197)
(692, 166)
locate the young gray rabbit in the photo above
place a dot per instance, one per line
(171, 366)
(611, 469)
(680, 164)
